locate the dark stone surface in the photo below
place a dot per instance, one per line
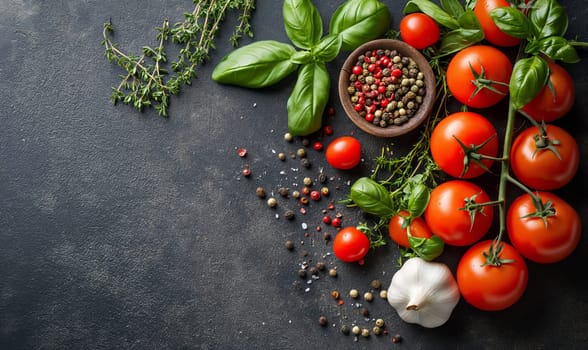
(127, 230)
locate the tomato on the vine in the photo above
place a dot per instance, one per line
(419, 30)
(350, 244)
(448, 216)
(544, 159)
(487, 286)
(555, 99)
(478, 76)
(492, 33)
(397, 229)
(462, 136)
(547, 234)
(344, 152)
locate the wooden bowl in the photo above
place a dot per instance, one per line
(424, 109)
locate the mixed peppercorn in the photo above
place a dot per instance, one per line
(386, 88)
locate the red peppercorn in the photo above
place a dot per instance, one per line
(381, 89)
(371, 67)
(327, 219)
(328, 130)
(336, 222)
(397, 73)
(357, 70)
(358, 107)
(331, 206)
(242, 152)
(369, 117)
(315, 195)
(318, 146)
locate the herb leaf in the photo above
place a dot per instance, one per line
(259, 64)
(371, 197)
(308, 99)
(302, 22)
(358, 21)
(512, 21)
(549, 18)
(529, 75)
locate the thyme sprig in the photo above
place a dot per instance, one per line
(148, 82)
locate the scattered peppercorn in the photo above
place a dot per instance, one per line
(335, 294)
(345, 329)
(325, 191)
(356, 330)
(367, 296)
(246, 171)
(365, 312)
(284, 192)
(384, 294)
(281, 156)
(336, 222)
(365, 332)
(376, 284)
(320, 265)
(296, 194)
(260, 192)
(289, 245)
(326, 219)
(323, 321)
(307, 181)
(380, 322)
(354, 293)
(396, 338)
(302, 273)
(301, 153)
(333, 272)
(289, 215)
(304, 200)
(272, 202)
(318, 146)
(322, 178)
(377, 330)
(288, 137)
(242, 152)
(315, 195)
(305, 163)
(313, 271)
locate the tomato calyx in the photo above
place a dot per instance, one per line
(474, 208)
(492, 257)
(543, 210)
(481, 82)
(471, 153)
(544, 143)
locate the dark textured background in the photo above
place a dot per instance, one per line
(126, 230)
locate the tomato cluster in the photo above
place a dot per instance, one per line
(538, 157)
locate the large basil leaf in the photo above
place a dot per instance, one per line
(301, 57)
(432, 10)
(529, 75)
(328, 48)
(458, 39)
(556, 48)
(418, 199)
(259, 64)
(359, 21)
(452, 7)
(513, 22)
(426, 248)
(308, 99)
(371, 197)
(302, 22)
(549, 18)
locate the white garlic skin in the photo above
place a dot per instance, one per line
(423, 292)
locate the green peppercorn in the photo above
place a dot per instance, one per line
(307, 181)
(288, 137)
(301, 153)
(356, 330)
(365, 332)
(377, 330)
(380, 322)
(354, 293)
(272, 202)
(281, 156)
(333, 272)
(368, 296)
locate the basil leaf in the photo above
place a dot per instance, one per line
(259, 64)
(549, 18)
(302, 22)
(459, 39)
(452, 7)
(426, 248)
(418, 199)
(359, 21)
(328, 48)
(432, 10)
(308, 99)
(558, 48)
(469, 20)
(301, 57)
(529, 75)
(371, 197)
(512, 22)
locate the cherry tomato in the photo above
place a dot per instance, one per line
(344, 152)
(555, 99)
(473, 131)
(488, 63)
(490, 287)
(419, 30)
(541, 168)
(447, 218)
(350, 244)
(398, 233)
(491, 32)
(543, 241)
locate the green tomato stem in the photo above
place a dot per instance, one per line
(504, 166)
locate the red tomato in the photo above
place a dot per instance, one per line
(419, 30)
(540, 168)
(488, 63)
(491, 32)
(554, 100)
(540, 241)
(447, 219)
(350, 244)
(344, 152)
(490, 287)
(398, 233)
(473, 130)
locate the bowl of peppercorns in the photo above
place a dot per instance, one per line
(387, 87)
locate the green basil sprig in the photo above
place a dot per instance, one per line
(426, 248)
(265, 63)
(544, 31)
(259, 64)
(371, 197)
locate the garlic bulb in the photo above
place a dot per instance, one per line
(423, 292)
